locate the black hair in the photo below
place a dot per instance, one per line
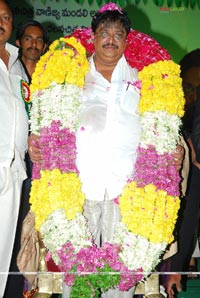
(111, 16)
(21, 29)
(192, 59)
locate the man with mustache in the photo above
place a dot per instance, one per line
(13, 140)
(32, 40)
(109, 131)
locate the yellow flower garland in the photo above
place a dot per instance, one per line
(52, 68)
(147, 211)
(56, 190)
(161, 88)
(152, 210)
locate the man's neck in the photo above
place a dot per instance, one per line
(105, 68)
(29, 65)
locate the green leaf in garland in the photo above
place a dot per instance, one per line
(192, 3)
(144, 1)
(90, 2)
(198, 3)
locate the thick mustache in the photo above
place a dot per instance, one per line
(110, 45)
(1, 28)
(30, 49)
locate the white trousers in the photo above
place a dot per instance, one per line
(10, 193)
(102, 217)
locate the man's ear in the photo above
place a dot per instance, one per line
(17, 43)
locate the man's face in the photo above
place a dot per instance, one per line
(191, 80)
(5, 23)
(32, 44)
(110, 42)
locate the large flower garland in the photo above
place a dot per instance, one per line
(152, 194)
(55, 122)
(149, 202)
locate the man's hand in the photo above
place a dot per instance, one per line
(179, 156)
(34, 148)
(173, 280)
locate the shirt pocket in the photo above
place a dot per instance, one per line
(129, 99)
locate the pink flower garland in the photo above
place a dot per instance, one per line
(157, 169)
(91, 260)
(58, 149)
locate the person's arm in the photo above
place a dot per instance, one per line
(178, 156)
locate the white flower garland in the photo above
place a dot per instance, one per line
(64, 107)
(160, 129)
(57, 230)
(148, 253)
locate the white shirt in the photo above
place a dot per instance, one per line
(14, 121)
(109, 131)
(13, 143)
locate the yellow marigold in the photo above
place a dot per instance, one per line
(65, 59)
(162, 88)
(56, 190)
(149, 212)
